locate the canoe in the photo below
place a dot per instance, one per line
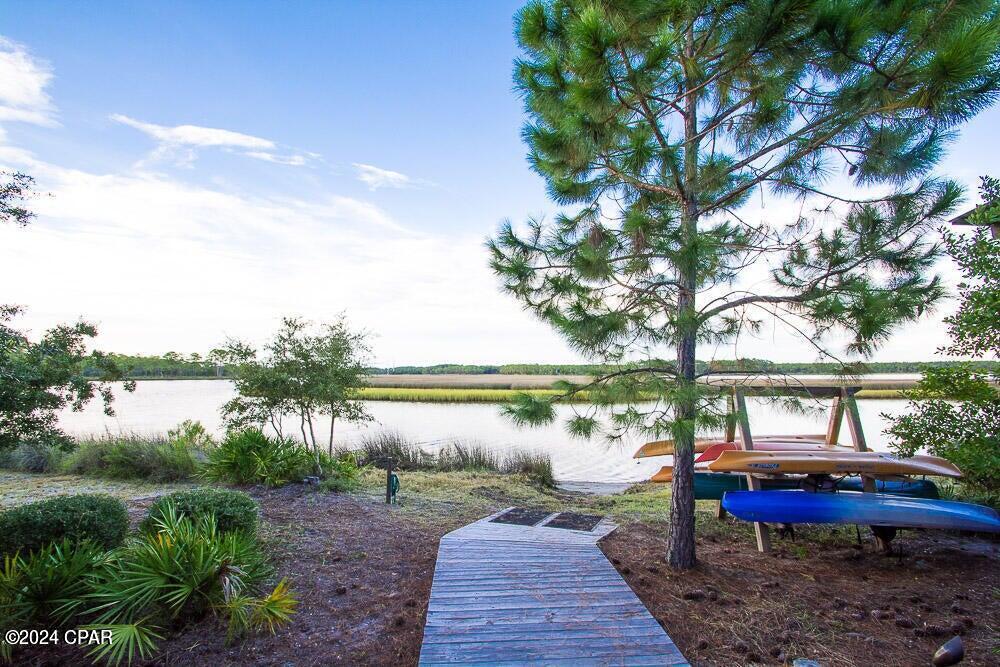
(867, 509)
(666, 447)
(713, 485)
(832, 463)
(715, 450)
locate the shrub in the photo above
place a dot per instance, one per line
(341, 473)
(98, 518)
(174, 458)
(187, 568)
(233, 510)
(48, 586)
(251, 457)
(34, 456)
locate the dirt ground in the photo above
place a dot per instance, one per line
(822, 596)
(363, 571)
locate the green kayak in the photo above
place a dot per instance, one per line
(712, 486)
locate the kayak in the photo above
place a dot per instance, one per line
(831, 463)
(866, 509)
(713, 485)
(715, 450)
(666, 447)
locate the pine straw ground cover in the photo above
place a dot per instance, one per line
(362, 571)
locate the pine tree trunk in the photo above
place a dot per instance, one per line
(680, 545)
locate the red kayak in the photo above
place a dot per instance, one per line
(714, 451)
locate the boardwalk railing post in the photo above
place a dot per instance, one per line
(388, 481)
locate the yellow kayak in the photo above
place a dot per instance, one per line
(666, 447)
(831, 463)
(665, 476)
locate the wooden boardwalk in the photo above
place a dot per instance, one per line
(515, 595)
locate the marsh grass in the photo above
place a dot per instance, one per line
(455, 395)
(457, 456)
(133, 456)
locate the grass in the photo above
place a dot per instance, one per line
(377, 449)
(880, 393)
(130, 456)
(450, 395)
(18, 488)
(497, 395)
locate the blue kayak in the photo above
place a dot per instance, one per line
(866, 509)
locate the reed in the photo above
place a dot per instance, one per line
(457, 456)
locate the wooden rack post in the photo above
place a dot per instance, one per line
(836, 418)
(857, 434)
(746, 443)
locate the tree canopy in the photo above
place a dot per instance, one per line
(654, 122)
(955, 412)
(302, 371)
(40, 378)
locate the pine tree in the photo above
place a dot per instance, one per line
(654, 121)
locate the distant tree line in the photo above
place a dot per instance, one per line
(176, 366)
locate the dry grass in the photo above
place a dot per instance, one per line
(18, 488)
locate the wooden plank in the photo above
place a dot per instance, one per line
(753, 484)
(520, 595)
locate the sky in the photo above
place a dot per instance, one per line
(208, 168)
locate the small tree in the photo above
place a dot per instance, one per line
(299, 373)
(656, 120)
(955, 411)
(38, 379)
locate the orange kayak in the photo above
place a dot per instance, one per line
(666, 447)
(716, 450)
(832, 463)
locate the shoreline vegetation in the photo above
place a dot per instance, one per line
(174, 366)
(502, 388)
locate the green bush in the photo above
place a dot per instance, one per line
(158, 459)
(98, 518)
(233, 510)
(181, 571)
(48, 586)
(34, 456)
(251, 457)
(184, 570)
(341, 473)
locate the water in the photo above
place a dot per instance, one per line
(159, 405)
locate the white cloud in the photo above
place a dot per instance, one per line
(23, 83)
(195, 135)
(181, 266)
(180, 143)
(376, 177)
(294, 160)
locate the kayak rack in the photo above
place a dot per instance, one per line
(844, 405)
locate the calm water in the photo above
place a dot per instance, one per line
(159, 405)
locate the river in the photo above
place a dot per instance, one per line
(156, 406)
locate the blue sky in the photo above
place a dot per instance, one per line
(214, 166)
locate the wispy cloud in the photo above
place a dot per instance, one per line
(180, 142)
(376, 177)
(294, 160)
(23, 83)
